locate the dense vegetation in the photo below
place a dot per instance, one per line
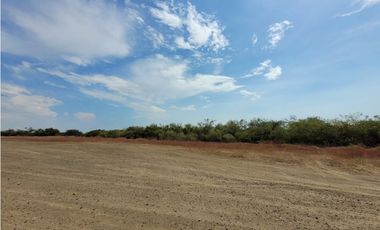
(348, 130)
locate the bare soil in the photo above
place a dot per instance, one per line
(97, 183)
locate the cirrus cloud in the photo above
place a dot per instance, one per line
(84, 116)
(196, 29)
(254, 39)
(76, 31)
(267, 70)
(276, 32)
(253, 96)
(361, 5)
(150, 82)
(165, 15)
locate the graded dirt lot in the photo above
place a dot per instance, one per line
(79, 183)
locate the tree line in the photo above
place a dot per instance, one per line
(347, 130)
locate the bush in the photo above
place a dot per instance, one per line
(351, 130)
(228, 138)
(94, 133)
(134, 132)
(72, 132)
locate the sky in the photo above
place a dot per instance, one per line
(101, 64)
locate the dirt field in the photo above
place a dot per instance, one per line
(79, 183)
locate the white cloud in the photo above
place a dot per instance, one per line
(18, 101)
(38, 105)
(26, 64)
(253, 96)
(77, 31)
(254, 39)
(200, 58)
(115, 89)
(273, 73)
(361, 5)
(156, 37)
(164, 14)
(49, 83)
(187, 108)
(83, 116)
(114, 96)
(218, 61)
(205, 99)
(163, 78)
(266, 69)
(151, 81)
(104, 95)
(204, 31)
(20, 69)
(12, 90)
(77, 60)
(201, 29)
(263, 67)
(120, 86)
(181, 43)
(276, 32)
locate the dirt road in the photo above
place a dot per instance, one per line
(117, 185)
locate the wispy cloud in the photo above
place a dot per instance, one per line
(17, 100)
(360, 6)
(182, 44)
(150, 72)
(144, 88)
(19, 70)
(205, 99)
(77, 31)
(85, 116)
(273, 73)
(253, 96)
(276, 33)
(185, 108)
(203, 30)
(49, 83)
(165, 15)
(195, 29)
(155, 36)
(77, 60)
(267, 70)
(254, 39)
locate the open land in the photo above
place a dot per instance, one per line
(97, 183)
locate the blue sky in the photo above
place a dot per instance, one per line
(111, 64)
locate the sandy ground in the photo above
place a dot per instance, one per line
(139, 185)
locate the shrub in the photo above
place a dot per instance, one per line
(349, 130)
(72, 132)
(228, 138)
